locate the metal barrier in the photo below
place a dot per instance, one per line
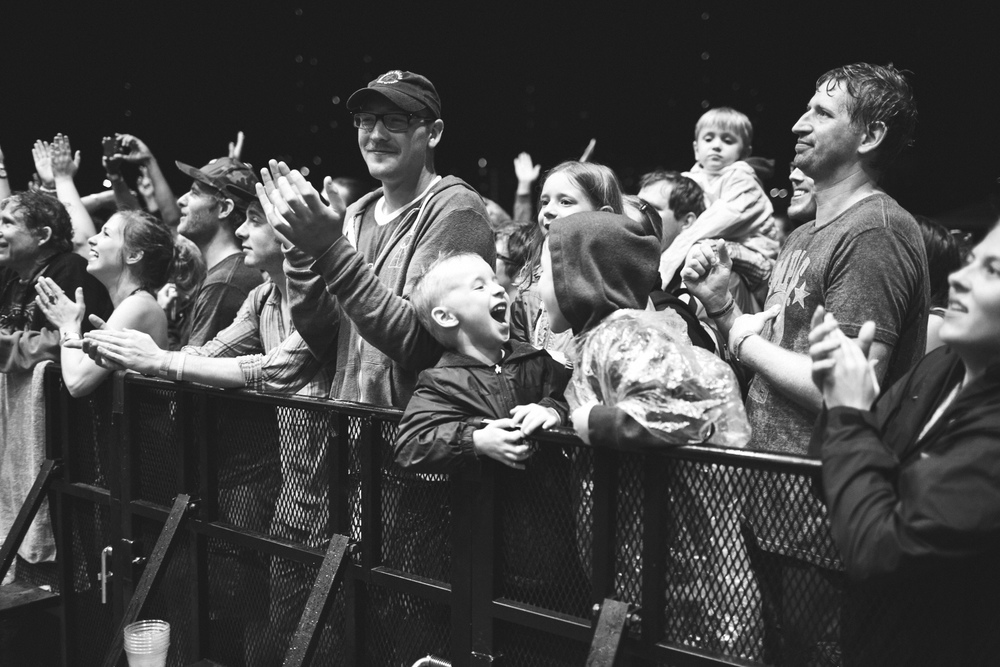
(499, 567)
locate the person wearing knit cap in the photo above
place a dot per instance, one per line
(598, 270)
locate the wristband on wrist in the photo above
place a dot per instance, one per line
(725, 310)
(69, 335)
(735, 349)
(3, 170)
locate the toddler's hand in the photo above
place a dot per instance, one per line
(502, 440)
(532, 417)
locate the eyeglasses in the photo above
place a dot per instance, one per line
(395, 121)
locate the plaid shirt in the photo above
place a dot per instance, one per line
(272, 359)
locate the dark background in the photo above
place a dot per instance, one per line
(543, 77)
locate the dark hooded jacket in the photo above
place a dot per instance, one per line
(917, 519)
(452, 398)
(538, 556)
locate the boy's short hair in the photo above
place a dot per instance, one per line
(877, 95)
(686, 196)
(730, 120)
(428, 291)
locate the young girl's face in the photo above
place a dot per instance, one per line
(106, 252)
(561, 197)
(716, 148)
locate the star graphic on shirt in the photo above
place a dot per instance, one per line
(800, 295)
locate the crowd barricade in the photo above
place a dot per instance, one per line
(270, 502)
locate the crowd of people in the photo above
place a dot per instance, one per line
(685, 313)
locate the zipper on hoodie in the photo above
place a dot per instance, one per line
(508, 396)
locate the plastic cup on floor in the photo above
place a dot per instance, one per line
(146, 643)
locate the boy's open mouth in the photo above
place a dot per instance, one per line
(499, 312)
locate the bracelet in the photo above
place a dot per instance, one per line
(728, 308)
(735, 349)
(69, 335)
(3, 170)
(180, 366)
(164, 370)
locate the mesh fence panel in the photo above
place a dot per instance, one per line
(416, 515)
(405, 628)
(520, 646)
(89, 623)
(171, 599)
(539, 535)
(157, 457)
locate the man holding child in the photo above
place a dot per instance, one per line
(862, 259)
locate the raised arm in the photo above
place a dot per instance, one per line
(139, 154)
(64, 167)
(124, 199)
(527, 173)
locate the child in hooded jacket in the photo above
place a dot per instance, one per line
(482, 399)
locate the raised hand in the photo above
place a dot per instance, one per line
(137, 152)
(526, 171)
(706, 273)
(236, 148)
(64, 163)
(43, 163)
(296, 211)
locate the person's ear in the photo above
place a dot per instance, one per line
(747, 152)
(694, 148)
(435, 131)
(443, 317)
(606, 209)
(687, 220)
(134, 257)
(226, 207)
(43, 234)
(872, 137)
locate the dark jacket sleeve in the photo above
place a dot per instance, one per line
(556, 377)
(434, 434)
(614, 428)
(885, 519)
(315, 312)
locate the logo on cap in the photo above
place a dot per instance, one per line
(390, 77)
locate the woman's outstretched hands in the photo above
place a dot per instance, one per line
(66, 314)
(841, 369)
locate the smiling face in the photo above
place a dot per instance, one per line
(261, 247)
(106, 257)
(20, 247)
(827, 142)
(802, 206)
(474, 303)
(396, 156)
(561, 197)
(972, 321)
(716, 148)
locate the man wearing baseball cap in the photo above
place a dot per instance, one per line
(210, 215)
(369, 256)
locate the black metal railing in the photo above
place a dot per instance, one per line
(497, 566)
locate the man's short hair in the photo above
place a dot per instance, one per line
(429, 289)
(39, 210)
(686, 196)
(728, 120)
(877, 95)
